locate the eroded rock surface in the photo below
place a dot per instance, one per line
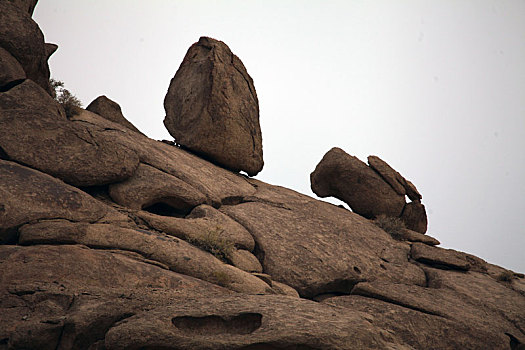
(212, 108)
(110, 110)
(345, 177)
(156, 248)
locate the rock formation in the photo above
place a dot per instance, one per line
(111, 240)
(110, 110)
(212, 108)
(370, 191)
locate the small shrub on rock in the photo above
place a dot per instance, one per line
(69, 102)
(506, 276)
(214, 242)
(391, 225)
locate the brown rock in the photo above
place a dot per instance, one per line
(110, 110)
(439, 257)
(22, 38)
(177, 254)
(401, 185)
(246, 261)
(347, 178)
(216, 183)
(11, 71)
(27, 195)
(201, 221)
(212, 108)
(246, 322)
(316, 247)
(27, 6)
(414, 236)
(35, 131)
(149, 186)
(415, 217)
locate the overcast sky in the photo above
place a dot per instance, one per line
(435, 88)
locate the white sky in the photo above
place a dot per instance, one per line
(435, 88)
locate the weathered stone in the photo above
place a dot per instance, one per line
(27, 195)
(35, 131)
(27, 6)
(22, 38)
(110, 110)
(177, 254)
(83, 292)
(414, 236)
(245, 261)
(316, 247)
(439, 257)
(415, 217)
(11, 71)
(212, 108)
(198, 224)
(396, 180)
(216, 183)
(246, 322)
(149, 186)
(347, 178)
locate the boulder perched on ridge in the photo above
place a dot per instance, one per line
(212, 108)
(345, 177)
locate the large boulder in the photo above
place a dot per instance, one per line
(347, 178)
(35, 131)
(212, 108)
(22, 38)
(110, 110)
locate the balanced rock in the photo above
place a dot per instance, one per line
(415, 217)
(110, 110)
(347, 178)
(212, 108)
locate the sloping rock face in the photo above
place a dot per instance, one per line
(212, 108)
(182, 254)
(110, 110)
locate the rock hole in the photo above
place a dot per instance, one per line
(233, 200)
(244, 323)
(356, 269)
(382, 266)
(166, 210)
(3, 154)
(11, 85)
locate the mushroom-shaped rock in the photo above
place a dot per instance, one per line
(149, 186)
(110, 110)
(347, 178)
(212, 108)
(22, 38)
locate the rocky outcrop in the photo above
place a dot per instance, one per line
(111, 240)
(22, 38)
(110, 110)
(34, 131)
(370, 191)
(11, 71)
(212, 108)
(345, 177)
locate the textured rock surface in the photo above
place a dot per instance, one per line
(415, 217)
(82, 268)
(22, 38)
(35, 131)
(212, 108)
(11, 71)
(25, 5)
(345, 177)
(396, 180)
(110, 110)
